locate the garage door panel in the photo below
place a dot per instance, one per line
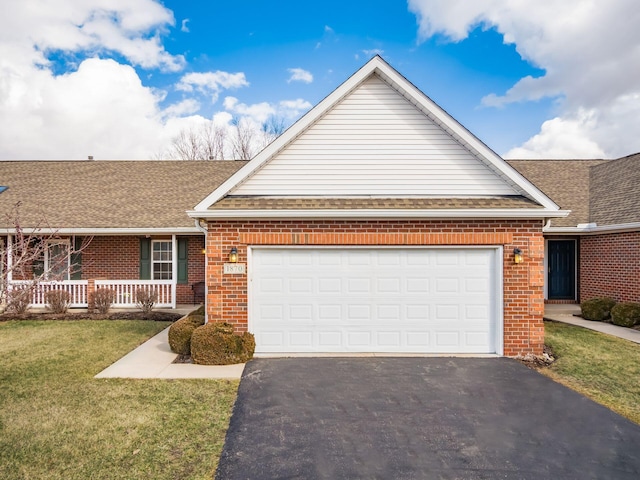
(373, 300)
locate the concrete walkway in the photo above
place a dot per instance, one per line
(565, 314)
(154, 359)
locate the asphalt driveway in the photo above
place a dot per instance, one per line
(406, 418)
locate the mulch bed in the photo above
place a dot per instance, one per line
(138, 315)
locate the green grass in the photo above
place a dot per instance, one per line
(58, 422)
(601, 367)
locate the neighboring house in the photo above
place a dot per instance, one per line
(595, 251)
(377, 223)
(133, 213)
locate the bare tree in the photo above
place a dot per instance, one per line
(243, 139)
(186, 145)
(272, 128)
(213, 141)
(240, 141)
(22, 257)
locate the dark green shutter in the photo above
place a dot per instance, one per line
(183, 257)
(76, 259)
(145, 259)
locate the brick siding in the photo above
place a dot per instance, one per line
(610, 266)
(523, 293)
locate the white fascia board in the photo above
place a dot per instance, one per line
(510, 213)
(453, 127)
(291, 133)
(104, 231)
(593, 229)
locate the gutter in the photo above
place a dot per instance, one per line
(593, 229)
(103, 231)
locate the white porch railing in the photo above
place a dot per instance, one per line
(77, 290)
(126, 291)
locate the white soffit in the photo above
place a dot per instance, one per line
(475, 164)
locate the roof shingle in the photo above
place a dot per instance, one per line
(566, 182)
(302, 203)
(109, 194)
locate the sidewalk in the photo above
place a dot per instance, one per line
(154, 359)
(565, 314)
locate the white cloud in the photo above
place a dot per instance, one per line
(100, 106)
(102, 109)
(299, 75)
(288, 110)
(590, 57)
(184, 27)
(561, 138)
(211, 83)
(258, 112)
(291, 109)
(130, 28)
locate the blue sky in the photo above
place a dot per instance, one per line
(120, 79)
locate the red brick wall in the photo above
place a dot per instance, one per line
(610, 266)
(184, 293)
(523, 284)
(113, 258)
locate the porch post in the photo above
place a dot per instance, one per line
(9, 259)
(174, 269)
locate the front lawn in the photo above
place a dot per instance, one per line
(601, 367)
(58, 422)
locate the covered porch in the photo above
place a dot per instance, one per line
(171, 266)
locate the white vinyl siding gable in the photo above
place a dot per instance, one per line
(375, 142)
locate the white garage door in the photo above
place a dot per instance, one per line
(375, 300)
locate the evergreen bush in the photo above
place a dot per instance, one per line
(626, 314)
(180, 333)
(216, 344)
(598, 309)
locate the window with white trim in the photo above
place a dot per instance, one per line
(161, 260)
(57, 260)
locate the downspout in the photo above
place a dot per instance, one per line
(204, 230)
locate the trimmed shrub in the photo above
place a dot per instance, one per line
(180, 333)
(146, 299)
(101, 300)
(198, 311)
(18, 300)
(626, 314)
(58, 300)
(216, 344)
(598, 309)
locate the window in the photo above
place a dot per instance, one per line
(56, 260)
(161, 260)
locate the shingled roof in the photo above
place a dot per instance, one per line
(604, 192)
(108, 194)
(272, 203)
(615, 191)
(566, 182)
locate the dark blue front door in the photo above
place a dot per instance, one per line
(562, 269)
